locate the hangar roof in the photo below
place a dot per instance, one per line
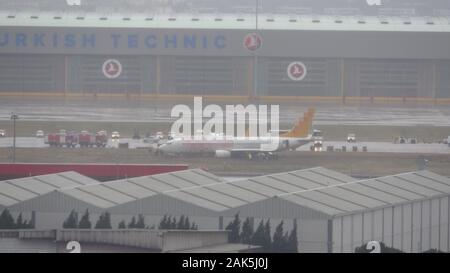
(373, 193)
(318, 189)
(227, 21)
(226, 195)
(18, 190)
(109, 194)
(205, 190)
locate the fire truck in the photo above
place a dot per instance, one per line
(62, 139)
(72, 139)
(101, 139)
(85, 139)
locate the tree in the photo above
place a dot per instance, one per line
(293, 240)
(286, 242)
(19, 221)
(267, 241)
(6, 220)
(279, 243)
(122, 225)
(71, 221)
(180, 224)
(258, 235)
(163, 223)
(27, 224)
(141, 221)
(85, 223)
(173, 224)
(247, 231)
(186, 224)
(194, 226)
(234, 227)
(104, 221)
(132, 223)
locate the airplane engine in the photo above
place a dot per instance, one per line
(223, 154)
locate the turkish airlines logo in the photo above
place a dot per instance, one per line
(296, 71)
(112, 68)
(252, 41)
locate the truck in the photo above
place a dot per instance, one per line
(317, 137)
(55, 140)
(101, 139)
(71, 139)
(61, 140)
(86, 139)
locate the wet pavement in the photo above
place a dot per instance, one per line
(379, 147)
(159, 111)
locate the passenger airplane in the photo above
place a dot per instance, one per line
(251, 148)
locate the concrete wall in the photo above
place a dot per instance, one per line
(163, 240)
(177, 240)
(35, 241)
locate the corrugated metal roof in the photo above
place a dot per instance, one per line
(317, 188)
(89, 198)
(226, 21)
(215, 194)
(198, 201)
(18, 190)
(372, 193)
(113, 193)
(203, 189)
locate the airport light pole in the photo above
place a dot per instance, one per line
(13, 118)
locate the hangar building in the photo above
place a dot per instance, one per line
(334, 212)
(359, 57)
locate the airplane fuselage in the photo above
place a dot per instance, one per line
(233, 146)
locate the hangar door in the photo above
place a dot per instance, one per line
(31, 73)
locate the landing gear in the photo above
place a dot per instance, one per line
(262, 156)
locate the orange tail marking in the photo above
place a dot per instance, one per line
(303, 126)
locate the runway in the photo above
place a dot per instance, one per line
(386, 147)
(32, 142)
(376, 147)
(159, 111)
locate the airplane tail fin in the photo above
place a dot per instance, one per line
(302, 127)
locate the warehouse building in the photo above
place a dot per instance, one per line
(321, 56)
(194, 193)
(205, 203)
(407, 211)
(141, 195)
(334, 212)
